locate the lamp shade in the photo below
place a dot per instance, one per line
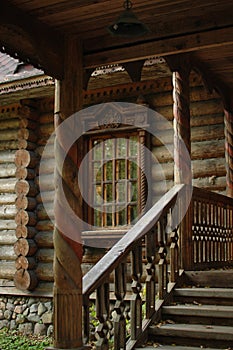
(128, 25)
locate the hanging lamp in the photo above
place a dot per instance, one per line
(127, 24)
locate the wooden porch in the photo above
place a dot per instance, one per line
(149, 258)
(68, 40)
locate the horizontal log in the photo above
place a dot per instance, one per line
(7, 269)
(25, 247)
(23, 231)
(45, 255)
(7, 135)
(24, 217)
(44, 271)
(199, 150)
(7, 252)
(7, 225)
(23, 173)
(46, 182)
(202, 133)
(207, 119)
(197, 94)
(196, 109)
(28, 123)
(25, 144)
(211, 183)
(26, 134)
(7, 185)
(7, 237)
(7, 198)
(44, 239)
(25, 279)
(7, 211)
(200, 168)
(9, 124)
(49, 154)
(26, 187)
(26, 263)
(45, 213)
(46, 130)
(7, 156)
(25, 158)
(47, 165)
(8, 170)
(44, 225)
(9, 145)
(23, 202)
(48, 196)
(47, 118)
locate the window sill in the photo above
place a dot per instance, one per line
(103, 238)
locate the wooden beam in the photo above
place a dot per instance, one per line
(32, 41)
(161, 47)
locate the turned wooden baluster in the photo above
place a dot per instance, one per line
(150, 270)
(162, 277)
(102, 314)
(174, 251)
(136, 300)
(119, 319)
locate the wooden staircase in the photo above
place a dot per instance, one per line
(198, 316)
(168, 305)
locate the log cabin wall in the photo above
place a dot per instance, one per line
(9, 126)
(207, 138)
(44, 226)
(208, 162)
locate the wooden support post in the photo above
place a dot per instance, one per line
(181, 67)
(229, 151)
(68, 253)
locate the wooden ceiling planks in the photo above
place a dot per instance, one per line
(175, 26)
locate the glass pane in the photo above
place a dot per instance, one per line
(122, 217)
(98, 199)
(108, 149)
(121, 147)
(109, 219)
(133, 146)
(120, 169)
(97, 218)
(133, 170)
(121, 191)
(133, 192)
(109, 170)
(133, 213)
(108, 195)
(97, 172)
(97, 150)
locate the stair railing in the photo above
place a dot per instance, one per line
(212, 230)
(145, 258)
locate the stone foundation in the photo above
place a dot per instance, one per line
(27, 315)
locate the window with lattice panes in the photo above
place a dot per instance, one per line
(114, 180)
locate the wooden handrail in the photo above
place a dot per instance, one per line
(120, 250)
(145, 258)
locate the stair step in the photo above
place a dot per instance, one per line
(199, 310)
(205, 292)
(220, 296)
(193, 334)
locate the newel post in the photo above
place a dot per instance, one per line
(228, 118)
(181, 67)
(68, 252)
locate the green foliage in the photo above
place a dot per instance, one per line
(12, 340)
